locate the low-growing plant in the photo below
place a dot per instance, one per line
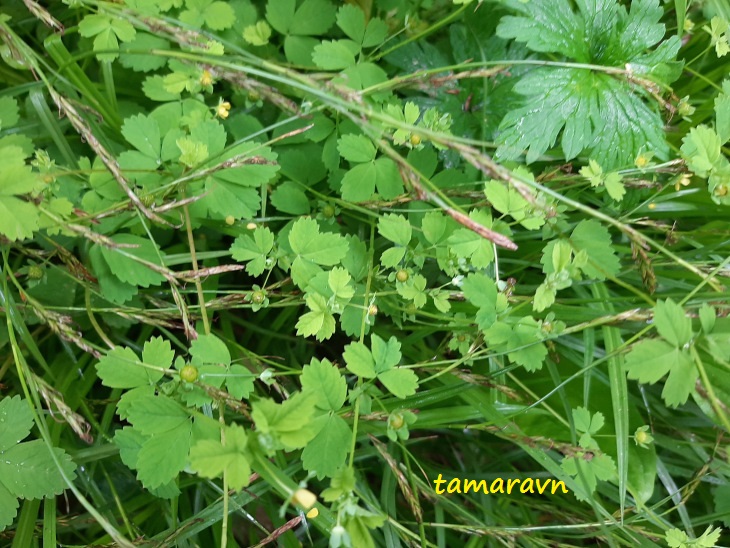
(270, 268)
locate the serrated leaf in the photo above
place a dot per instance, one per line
(650, 360)
(121, 368)
(335, 54)
(8, 507)
(672, 323)
(131, 55)
(395, 228)
(359, 360)
(16, 421)
(339, 282)
(289, 424)
(154, 415)
(319, 321)
(320, 248)
(701, 149)
(356, 148)
(351, 20)
(143, 133)
(257, 34)
(209, 349)
(385, 353)
(413, 290)
(213, 459)
(18, 218)
(290, 198)
(593, 238)
(327, 452)
(164, 455)
(28, 470)
(325, 381)
(593, 111)
(254, 250)
(122, 264)
(400, 382)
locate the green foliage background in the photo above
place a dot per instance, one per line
(255, 252)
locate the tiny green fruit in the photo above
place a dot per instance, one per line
(35, 272)
(258, 297)
(402, 276)
(328, 211)
(189, 373)
(396, 421)
(415, 140)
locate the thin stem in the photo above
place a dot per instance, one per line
(194, 261)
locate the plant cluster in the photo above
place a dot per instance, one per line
(270, 267)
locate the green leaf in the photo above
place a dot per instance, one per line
(319, 321)
(254, 250)
(359, 184)
(320, 248)
(209, 349)
(153, 415)
(351, 20)
(356, 148)
(672, 323)
(213, 459)
(467, 244)
(122, 264)
(359, 360)
(215, 15)
(592, 110)
(327, 452)
(28, 470)
(143, 133)
(16, 421)
(287, 425)
(701, 149)
(335, 54)
(313, 17)
(386, 354)
(164, 455)
(400, 382)
(18, 218)
(650, 360)
(593, 238)
(395, 228)
(339, 282)
(9, 113)
(257, 34)
(121, 368)
(290, 198)
(414, 289)
(325, 381)
(132, 56)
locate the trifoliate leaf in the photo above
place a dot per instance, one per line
(339, 282)
(335, 54)
(359, 184)
(467, 244)
(290, 198)
(359, 360)
(356, 148)
(18, 218)
(319, 321)
(650, 360)
(312, 17)
(108, 31)
(213, 458)
(701, 149)
(327, 452)
(209, 349)
(254, 250)
(215, 15)
(310, 245)
(122, 263)
(593, 238)
(286, 425)
(395, 228)
(672, 323)
(325, 381)
(400, 382)
(258, 34)
(164, 455)
(414, 289)
(121, 368)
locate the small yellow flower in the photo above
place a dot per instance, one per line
(652, 205)
(313, 513)
(689, 25)
(206, 79)
(223, 109)
(304, 498)
(684, 180)
(251, 226)
(643, 160)
(230, 220)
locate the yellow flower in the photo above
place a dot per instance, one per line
(223, 109)
(684, 180)
(304, 498)
(206, 79)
